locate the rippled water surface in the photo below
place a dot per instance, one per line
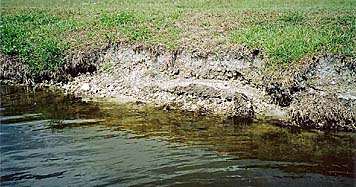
(51, 139)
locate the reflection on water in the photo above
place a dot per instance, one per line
(51, 139)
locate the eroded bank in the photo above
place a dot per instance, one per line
(317, 93)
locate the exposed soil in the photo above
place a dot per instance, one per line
(319, 93)
(12, 69)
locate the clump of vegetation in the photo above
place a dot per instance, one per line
(139, 34)
(122, 18)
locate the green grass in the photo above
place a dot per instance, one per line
(36, 37)
(292, 36)
(122, 18)
(44, 32)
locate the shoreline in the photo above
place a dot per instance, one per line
(318, 94)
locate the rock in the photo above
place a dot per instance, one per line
(346, 96)
(85, 87)
(243, 106)
(111, 88)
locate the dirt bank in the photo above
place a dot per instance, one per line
(319, 93)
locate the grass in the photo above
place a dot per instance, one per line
(44, 32)
(36, 38)
(291, 36)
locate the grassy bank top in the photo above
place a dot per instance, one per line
(43, 32)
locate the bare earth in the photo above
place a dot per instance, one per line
(321, 95)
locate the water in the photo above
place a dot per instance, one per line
(51, 139)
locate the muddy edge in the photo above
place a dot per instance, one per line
(318, 93)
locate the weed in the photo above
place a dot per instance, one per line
(106, 67)
(139, 34)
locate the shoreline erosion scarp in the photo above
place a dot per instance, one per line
(320, 94)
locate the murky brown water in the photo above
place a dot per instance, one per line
(49, 139)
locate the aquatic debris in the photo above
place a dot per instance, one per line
(61, 124)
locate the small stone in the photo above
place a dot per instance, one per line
(85, 87)
(176, 72)
(111, 88)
